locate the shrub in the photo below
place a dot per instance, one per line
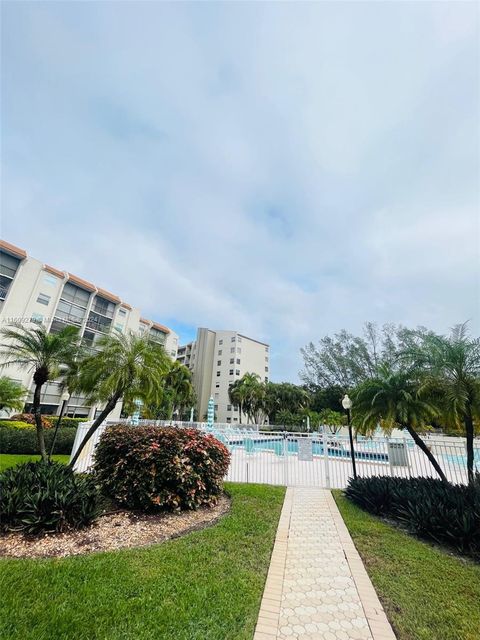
(69, 423)
(29, 418)
(154, 468)
(24, 439)
(40, 496)
(16, 424)
(428, 507)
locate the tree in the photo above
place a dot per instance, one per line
(179, 388)
(12, 394)
(43, 353)
(393, 399)
(285, 397)
(127, 366)
(346, 360)
(249, 394)
(452, 366)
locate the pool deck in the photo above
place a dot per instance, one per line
(317, 587)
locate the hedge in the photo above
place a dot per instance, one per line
(47, 420)
(24, 440)
(427, 507)
(160, 468)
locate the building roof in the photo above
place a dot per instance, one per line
(160, 327)
(12, 249)
(82, 283)
(56, 272)
(108, 296)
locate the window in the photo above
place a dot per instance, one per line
(68, 312)
(217, 395)
(220, 342)
(219, 352)
(237, 372)
(119, 327)
(266, 378)
(229, 407)
(232, 339)
(50, 280)
(217, 385)
(238, 360)
(235, 419)
(230, 372)
(122, 312)
(266, 358)
(239, 350)
(215, 407)
(219, 363)
(9, 265)
(229, 419)
(103, 306)
(43, 299)
(218, 374)
(266, 348)
(37, 318)
(239, 338)
(232, 360)
(76, 295)
(266, 368)
(232, 350)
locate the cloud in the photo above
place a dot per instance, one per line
(281, 169)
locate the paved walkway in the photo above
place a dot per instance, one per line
(317, 587)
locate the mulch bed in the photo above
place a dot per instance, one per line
(112, 531)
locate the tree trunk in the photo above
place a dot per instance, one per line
(38, 422)
(109, 407)
(469, 432)
(421, 444)
(57, 426)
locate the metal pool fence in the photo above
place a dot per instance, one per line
(317, 459)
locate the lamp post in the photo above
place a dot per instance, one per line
(347, 405)
(64, 398)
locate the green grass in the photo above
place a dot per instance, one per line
(11, 459)
(428, 594)
(204, 586)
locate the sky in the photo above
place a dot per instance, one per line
(281, 169)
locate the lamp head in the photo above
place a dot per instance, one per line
(346, 402)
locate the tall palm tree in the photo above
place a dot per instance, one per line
(12, 394)
(43, 353)
(237, 393)
(178, 384)
(452, 367)
(126, 366)
(392, 399)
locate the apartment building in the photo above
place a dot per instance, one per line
(34, 292)
(217, 359)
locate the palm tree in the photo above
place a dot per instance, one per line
(12, 394)
(126, 366)
(249, 394)
(392, 399)
(43, 353)
(452, 367)
(179, 387)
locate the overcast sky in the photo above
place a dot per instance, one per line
(282, 169)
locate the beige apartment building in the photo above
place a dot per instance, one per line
(34, 292)
(217, 359)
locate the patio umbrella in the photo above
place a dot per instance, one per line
(210, 413)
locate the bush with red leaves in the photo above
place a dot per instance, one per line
(160, 468)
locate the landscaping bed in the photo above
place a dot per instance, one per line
(428, 593)
(205, 585)
(112, 531)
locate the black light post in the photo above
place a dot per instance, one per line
(347, 405)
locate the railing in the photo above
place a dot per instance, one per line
(318, 459)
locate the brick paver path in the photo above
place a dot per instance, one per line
(317, 587)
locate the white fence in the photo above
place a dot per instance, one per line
(318, 459)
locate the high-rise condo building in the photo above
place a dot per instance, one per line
(217, 359)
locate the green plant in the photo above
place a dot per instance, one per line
(152, 468)
(128, 367)
(29, 418)
(46, 496)
(20, 437)
(71, 423)
(428, 507)
(12, 394)
(43, 353)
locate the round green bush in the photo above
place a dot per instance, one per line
(46, 496)
(160, 468)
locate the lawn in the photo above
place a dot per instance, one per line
(427, 593)
(11, 459)
(204, 586)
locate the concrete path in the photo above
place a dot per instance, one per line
(317, 587)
